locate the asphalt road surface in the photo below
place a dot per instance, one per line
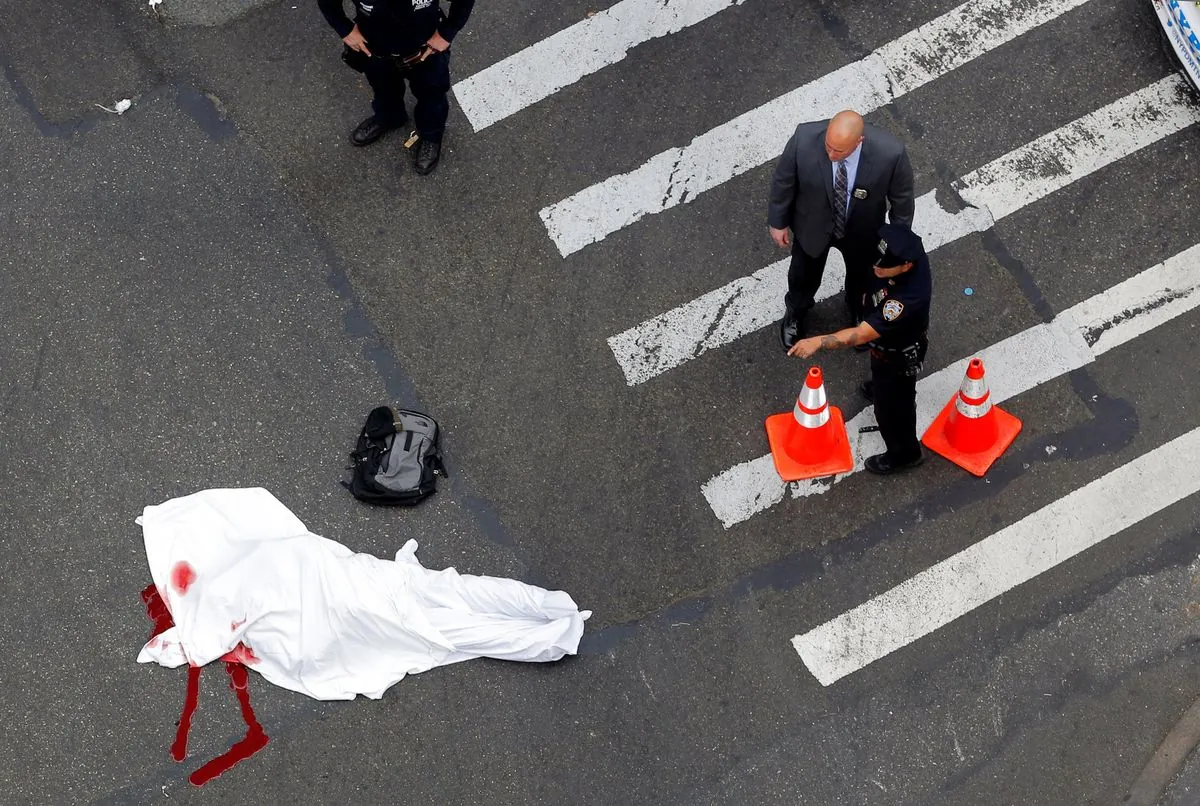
(213, 288)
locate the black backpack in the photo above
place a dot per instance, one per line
(397, 459)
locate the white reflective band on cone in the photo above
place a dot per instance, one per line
(812, 399)
(973, 389)
(807, 420)
(974, 411)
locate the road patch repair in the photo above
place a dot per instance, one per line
(239, 578)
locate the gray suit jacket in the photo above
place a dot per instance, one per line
(802, 188)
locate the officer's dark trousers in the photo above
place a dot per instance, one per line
(806, 271)
(429, 82)
(895, 407)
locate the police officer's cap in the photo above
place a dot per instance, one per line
(898, 245)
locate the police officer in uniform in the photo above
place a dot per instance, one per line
(897, 299)
(393, 41)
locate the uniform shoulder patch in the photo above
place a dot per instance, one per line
(892, 310)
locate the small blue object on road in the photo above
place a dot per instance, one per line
(968, 291)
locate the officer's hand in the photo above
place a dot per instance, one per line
(780, 237)
(805, 347)
(354, 40)
(437, 42)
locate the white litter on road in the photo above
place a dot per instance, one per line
(1000, 562)
(119, 108)
(241, 574)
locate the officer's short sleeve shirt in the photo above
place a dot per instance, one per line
(899, 308)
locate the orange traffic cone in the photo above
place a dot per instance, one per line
(810, 441)
(970, 431)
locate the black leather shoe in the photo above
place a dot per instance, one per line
(428, 154)
(369, 131)
(882, 465)
(867, 390)
(790, 331)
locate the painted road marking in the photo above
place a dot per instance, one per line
(998, 563)
(681, 174)
(586, 47)
(998, 189)
(1075, 338)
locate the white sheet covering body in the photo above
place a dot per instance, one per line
(237, 567)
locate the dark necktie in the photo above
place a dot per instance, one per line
(839, 201)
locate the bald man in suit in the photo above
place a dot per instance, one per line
(836, 183)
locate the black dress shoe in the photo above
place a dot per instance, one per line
(369, 131)
(867, 390)
(884, 466)
(428, 154)
(790, 331)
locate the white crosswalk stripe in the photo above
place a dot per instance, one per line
(1021, 362)
(999, 189)
(1014, 555)
(752, 139)
(558, 61)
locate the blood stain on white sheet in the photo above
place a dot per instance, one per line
(241, 654)
(182, 577)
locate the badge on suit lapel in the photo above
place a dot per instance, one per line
(860, 193)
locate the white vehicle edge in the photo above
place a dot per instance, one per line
(1180, 21)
